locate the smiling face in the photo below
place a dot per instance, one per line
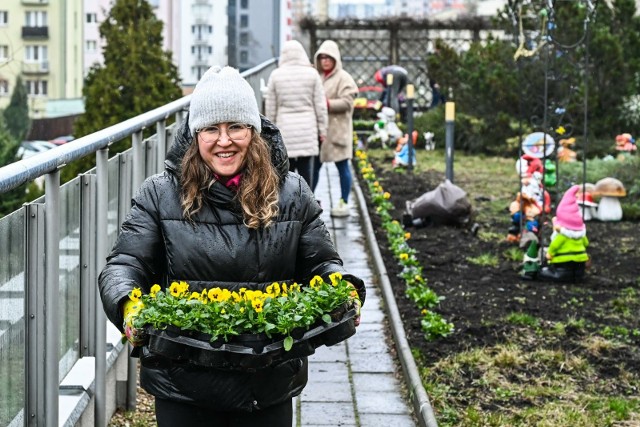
(225, 156)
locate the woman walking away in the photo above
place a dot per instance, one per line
(296, 104)
(340, 90)
(225, 213)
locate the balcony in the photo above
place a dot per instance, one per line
(41, 67)
(201, 61)
(32, 2)
(35, 32)
(201, 41)
(202, 2)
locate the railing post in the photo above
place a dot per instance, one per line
(161, 149)
(138, 161)
(88, 276)
(102, 202)
(35, 322)
(51, 293)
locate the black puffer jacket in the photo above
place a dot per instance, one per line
(157, 245)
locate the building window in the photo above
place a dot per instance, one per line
(92, 18)
(92, 46)
(35, 53)
(244, 21)
(35, 19)
(4, 87)
(244, 39)
(244, 4)
(37, 87)
(4, 52)
(4, 17)
(244, 57)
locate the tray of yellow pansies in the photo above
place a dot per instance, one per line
(247, 329)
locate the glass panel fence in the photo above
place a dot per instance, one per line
(69, 302)
(12, 326)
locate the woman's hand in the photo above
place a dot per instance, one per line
(357, 304)
(130, 310)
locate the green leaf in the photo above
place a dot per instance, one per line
(288, 343)
(326, 318)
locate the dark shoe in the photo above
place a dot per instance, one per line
(571, 274)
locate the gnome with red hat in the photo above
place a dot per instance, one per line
(567, 253)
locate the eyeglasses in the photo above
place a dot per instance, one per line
(322, 57)
(235, 132)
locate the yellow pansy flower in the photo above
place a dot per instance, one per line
(135, 295)
(335, 278)
(154, 290)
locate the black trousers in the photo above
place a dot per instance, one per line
(175, 414)
(304, 167)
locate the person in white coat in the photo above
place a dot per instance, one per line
(296, 103)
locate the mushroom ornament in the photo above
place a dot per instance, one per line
(609, 190)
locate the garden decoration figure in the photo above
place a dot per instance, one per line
(401, 157)
(429, 143)
(586, 202)
(394, 79)
(625, 142)
(340, 90)
(567, 253)
(523, 210)
(531, 261)
(565, 152)
(225, 213)
(385, 128)
(527, 164)
(609, 190)
(296, 104)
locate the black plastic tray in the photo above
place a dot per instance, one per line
(249, 352)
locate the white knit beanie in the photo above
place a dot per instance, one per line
(223, 96)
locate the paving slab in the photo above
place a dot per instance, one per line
(354, 383)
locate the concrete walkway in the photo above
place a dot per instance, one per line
(356, 382)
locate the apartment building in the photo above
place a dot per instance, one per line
(41, 41)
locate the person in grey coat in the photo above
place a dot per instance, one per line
(225, 213)
(296, 104)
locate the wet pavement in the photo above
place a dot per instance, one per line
(357, 382)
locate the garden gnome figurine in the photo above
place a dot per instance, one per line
(531, 262)
(567, 253)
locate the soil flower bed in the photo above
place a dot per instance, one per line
(223, 314)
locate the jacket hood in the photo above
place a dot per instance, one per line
(293, 54)
(330, 48)
(270, 133)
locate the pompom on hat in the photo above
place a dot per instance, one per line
(223, 96)
(568, 213)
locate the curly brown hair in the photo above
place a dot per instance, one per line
(259, 188)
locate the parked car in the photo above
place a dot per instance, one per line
(31, 148)
(59, 140)
(367, 105)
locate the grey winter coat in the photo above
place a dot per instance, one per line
(157, 245)
(296, 102)
(340, 90)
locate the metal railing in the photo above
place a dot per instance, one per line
(56, 347)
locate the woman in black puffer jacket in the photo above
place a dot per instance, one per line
(225, 213)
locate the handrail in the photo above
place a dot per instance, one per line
(18, 173)
(23, 171)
